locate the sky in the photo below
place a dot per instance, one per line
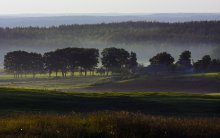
(108, 6)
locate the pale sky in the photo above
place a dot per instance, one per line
(107, 6)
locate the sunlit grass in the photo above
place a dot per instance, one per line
(61, 84)
(46, 75)
(107, 124)
(206, 75)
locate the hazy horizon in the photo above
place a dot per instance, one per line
(105, 14)
(108, 6)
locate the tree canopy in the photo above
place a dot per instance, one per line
(162, 58)
(207, 64)
(118, 59)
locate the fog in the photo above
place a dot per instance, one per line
(144, 50)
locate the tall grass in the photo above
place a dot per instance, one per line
(107, 124)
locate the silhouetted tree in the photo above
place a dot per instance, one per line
(17, 62)
(115, 59)
(50, 62)
(206, 64)
(184, 62)
(68, 59)
(74, 59)
(215, 65)
(162, 58)
(132, 62)
(62, 61)
(88, 59)
(36, 63)
(206, 61)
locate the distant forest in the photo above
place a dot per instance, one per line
(126, 32)
(144, 38)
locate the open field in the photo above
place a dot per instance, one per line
(163, 103)
(107, 125)
(5, 76)
(193, 83)
(57, 84)
(96, 106)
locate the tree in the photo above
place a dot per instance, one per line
(215, 65)
(162, 58)
(115, 59)
(132, 62)
(204, 64)
(68, 59)
(62, 60)
(185, 56)
(184, 62)
(17, 62)
(36, 63)
(50, 63)
(74, 59)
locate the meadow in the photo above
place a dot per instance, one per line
(101, 106)
(155, 103)
(105, 125)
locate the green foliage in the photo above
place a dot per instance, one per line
(21, 62)
(115, 59)
(64, 60)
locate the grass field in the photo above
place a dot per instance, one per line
(57, 84)
(107, 125)
(96, 106)
(46, 75)
(164, 103)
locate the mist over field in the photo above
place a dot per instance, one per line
(144, 50)
(144, 38)
(110, 68)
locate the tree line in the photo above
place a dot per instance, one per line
(71, 60)
(206, 64)
(125, 32)
(82, 60)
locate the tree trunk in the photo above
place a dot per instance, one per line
(33, 75)
(72, 73)
(56, 73)
(85, 73)
(80, 71)
(50, 74)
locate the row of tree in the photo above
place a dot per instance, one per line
(206, 64)
(116, 60)
(69, 60)
(22, 62)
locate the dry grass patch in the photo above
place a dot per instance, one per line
(107, 124)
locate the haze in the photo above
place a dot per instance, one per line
(107, 6)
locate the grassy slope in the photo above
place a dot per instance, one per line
(23, 100)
